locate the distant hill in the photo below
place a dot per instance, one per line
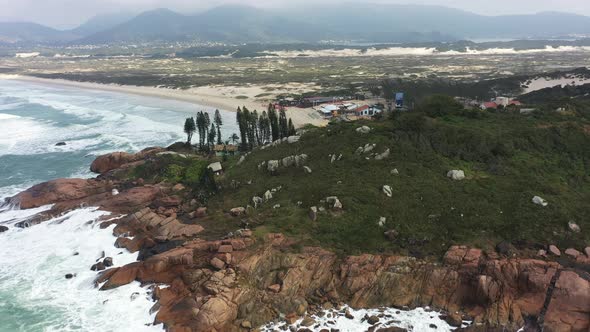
(360, 22)
(226, 23)
(347, 22)
(101, 23)
(16, 32)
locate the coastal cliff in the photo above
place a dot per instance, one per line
(207, 279)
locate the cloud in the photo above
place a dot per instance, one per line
(68, 13)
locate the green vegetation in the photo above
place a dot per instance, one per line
(190, 170)
(257, 130)
(508, 158)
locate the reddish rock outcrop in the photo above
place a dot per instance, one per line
(217, 285)
(257, 284)
(111, 161)
(60, 190)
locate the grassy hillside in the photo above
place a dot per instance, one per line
(507, 158)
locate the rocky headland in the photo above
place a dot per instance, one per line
(238, 281)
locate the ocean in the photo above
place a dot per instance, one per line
(34, 293)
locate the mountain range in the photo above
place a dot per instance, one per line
(351, 22)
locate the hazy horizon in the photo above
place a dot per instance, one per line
(52, 13)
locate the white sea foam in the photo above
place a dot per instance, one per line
(33, 266)
(106, 121)
(419, 319)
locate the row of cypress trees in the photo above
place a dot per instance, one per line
(255, 129)
(206, 129)
(259, 129)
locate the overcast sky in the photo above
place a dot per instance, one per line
(68, 13)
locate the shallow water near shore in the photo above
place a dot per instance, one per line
(34, 293)
(34, 117)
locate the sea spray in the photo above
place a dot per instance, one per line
(347, 319)
(36, 296)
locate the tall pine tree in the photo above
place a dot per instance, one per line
(283, 124)
(211, 136)
(218, 122)
(241, 120)
(292, 131)
(201, 129)
(189, 129)
(274, 123)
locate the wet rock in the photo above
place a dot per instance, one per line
(391, 329)
(373, 320)
(70, 275)
(134, 296)
(307, 321)
(108, 262)
(57, 191)
(60, 144)
(97, 267)
(348, 315)
(3, 229)
(456, 175)
(454, 319)
(121, 276)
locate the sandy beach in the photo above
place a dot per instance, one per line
(227, 98)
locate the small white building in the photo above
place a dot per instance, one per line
(367, 111)
(504, 101)
(327, 110)
(216, 168)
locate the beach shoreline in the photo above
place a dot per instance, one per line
(220, 97)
